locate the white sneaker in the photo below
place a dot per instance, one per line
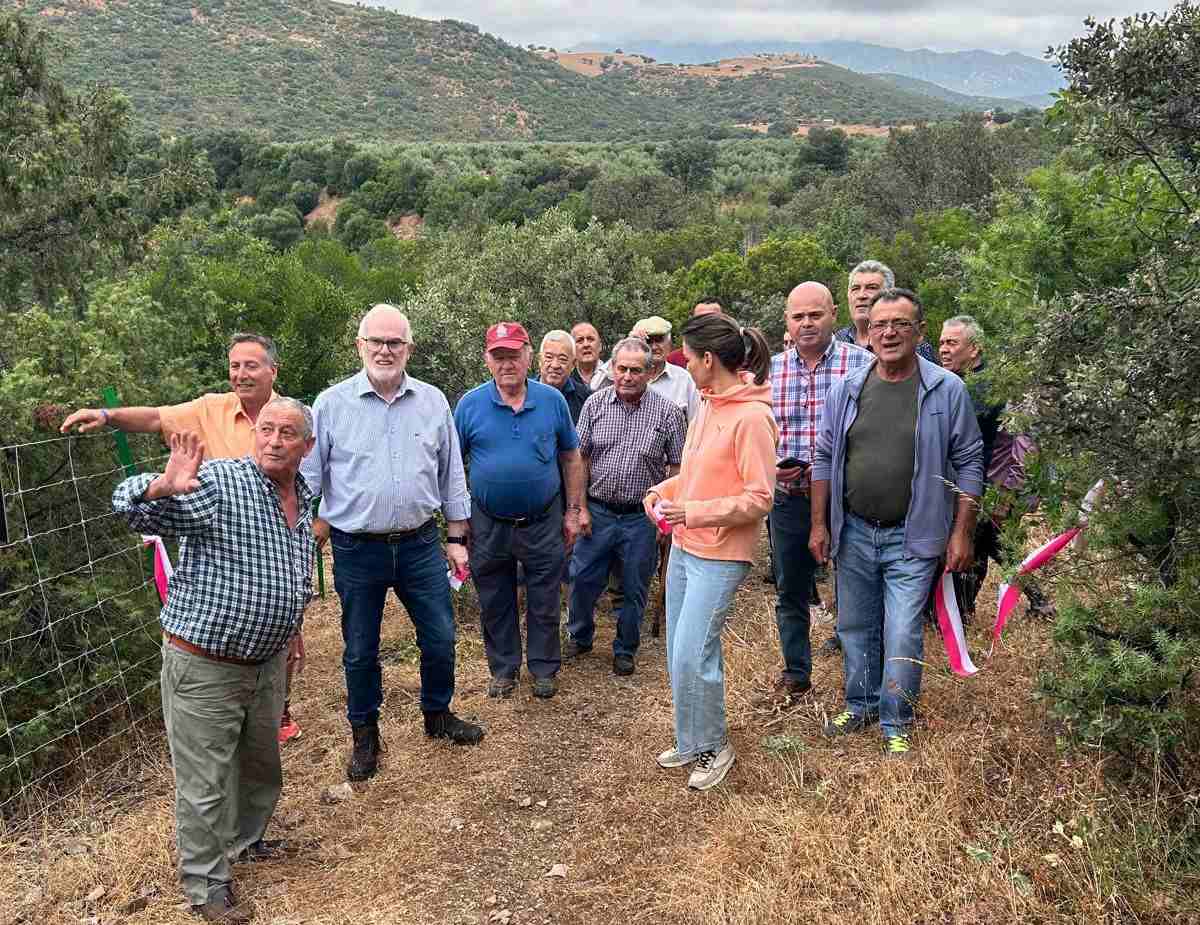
(711, 768)
(672, 759)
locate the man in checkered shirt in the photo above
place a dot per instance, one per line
(237, 598)
(800, 378)
(630, 437)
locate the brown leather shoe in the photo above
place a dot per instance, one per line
(783, 693)
(225, 909)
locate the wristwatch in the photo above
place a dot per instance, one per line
(458, 540)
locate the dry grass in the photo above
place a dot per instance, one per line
(802, 831)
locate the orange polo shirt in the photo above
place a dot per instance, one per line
(220, 421)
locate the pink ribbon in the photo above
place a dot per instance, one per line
(162, 565)
(946, 604)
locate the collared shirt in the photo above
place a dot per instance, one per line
(575, 392)
(244, 576)
(798, 394)
(513, 455)
(629, 445)
(219, 419)
(673, 382)
(924, 348)
(383, 466)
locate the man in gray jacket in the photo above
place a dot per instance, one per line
(896, 478)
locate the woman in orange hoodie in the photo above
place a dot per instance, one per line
(715, 507)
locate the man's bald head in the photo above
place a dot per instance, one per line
(811, 293)
(809, 316)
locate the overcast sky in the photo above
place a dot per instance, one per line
(995, 25)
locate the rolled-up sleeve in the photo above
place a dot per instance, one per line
(180, 515)
(452, 477)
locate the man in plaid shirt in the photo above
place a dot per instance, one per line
(630, 437)
(800, 378)
(237, 598)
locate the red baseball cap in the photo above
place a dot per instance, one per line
(508, 334)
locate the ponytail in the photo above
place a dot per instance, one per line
(736, 348)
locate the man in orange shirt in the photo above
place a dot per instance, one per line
(225, 424)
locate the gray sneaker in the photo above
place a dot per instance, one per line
(544, 687)
(502, 687)
(672, 759)
(711, 768)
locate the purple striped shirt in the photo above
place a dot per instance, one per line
(798, 394)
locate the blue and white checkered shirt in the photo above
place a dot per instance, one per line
(244, 577)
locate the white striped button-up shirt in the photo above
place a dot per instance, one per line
(382, 466)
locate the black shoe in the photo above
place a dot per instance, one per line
(846, 723)
(544, 687)
(364, 761)
(223, 908)
(831, 646)
(446, 725)
(502, 687)
(623, 665)
(768, 578)
(572, 649)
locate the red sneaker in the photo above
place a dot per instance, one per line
(288, 728)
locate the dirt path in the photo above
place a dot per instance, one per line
(800, 831)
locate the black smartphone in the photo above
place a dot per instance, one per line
(790, 462)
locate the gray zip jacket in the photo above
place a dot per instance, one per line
(949, 447)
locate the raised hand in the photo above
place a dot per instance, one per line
(180, 476)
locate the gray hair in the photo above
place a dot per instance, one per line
(562, 337)
(972, 328)
(378, 309)
(262, 340)
(874, 266)
(297, 407)
(632, 343)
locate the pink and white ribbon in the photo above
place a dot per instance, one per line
(162, 564)
(946, 603)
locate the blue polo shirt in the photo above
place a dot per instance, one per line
(513, 457)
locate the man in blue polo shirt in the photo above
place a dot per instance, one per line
(514, 434)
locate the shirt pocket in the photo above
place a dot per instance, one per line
(544, 446)
(654, 445)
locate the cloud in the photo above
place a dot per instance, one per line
(996, 25)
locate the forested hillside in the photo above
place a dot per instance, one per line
(299, 69)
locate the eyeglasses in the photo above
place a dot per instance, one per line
(378, 343)
(899, 325)
(655, 338)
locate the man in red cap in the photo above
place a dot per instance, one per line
(515, 434)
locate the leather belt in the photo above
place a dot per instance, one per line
(396, 536)
(622, 509)
(518, 521)
(879, 524)
(192, 649)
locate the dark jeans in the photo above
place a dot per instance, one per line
(629, 539)
(415, 568)
(790, 521)
(496, 548)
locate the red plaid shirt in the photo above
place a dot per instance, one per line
(798, 395)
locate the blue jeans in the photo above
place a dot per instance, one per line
(415, 568)
(626, 538)
(699, 592)
(790, 522)
(881, 596)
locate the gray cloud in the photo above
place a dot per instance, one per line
(995, 25)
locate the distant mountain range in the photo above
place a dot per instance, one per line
(299, 69)
(1011, 76)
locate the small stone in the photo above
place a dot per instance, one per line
(543, 803)
(342, 853)
(525, 802)
(96, 894)
(338, 793)
(33, 897)
(491, 900)
(457, 823)
(77, 846)
(558, 870)
(542, 825)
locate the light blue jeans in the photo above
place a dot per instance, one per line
(881, 596)
(699, 592)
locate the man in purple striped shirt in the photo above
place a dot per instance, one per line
(800, 378)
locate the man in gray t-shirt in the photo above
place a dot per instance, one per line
(880, 450)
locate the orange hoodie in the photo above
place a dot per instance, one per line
(726, 483)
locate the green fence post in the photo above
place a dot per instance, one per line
(125, 455)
